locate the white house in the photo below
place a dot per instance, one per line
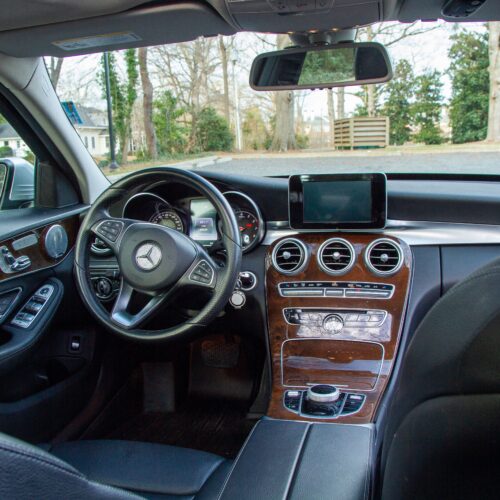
(92, 126)
(9, 138)
(90, 123)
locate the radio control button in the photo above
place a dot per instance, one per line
(333, 323)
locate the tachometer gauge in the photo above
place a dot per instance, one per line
(168, 218)
(248, 225)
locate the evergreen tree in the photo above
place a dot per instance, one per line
(426, 109)
(171, 135)
(397, 105)
(470, 86)
(123, 95)
(212, 131)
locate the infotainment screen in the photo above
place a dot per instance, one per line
(338, 201)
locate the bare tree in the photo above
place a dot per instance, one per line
(389, 34)
(225, 77)
(284, 128)
(147, 103)
(494, 104)
(55, 66)
(331, 115)
(341, 103)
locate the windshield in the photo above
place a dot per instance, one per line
(190, 104)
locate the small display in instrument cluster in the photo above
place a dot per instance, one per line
(203, 222)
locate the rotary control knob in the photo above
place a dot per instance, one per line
(333, 323)
(104, 288)
(323, 393)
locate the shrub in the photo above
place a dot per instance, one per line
(6, 151)
(211, 131)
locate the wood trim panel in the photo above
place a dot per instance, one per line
(37, 252)
(281, 331)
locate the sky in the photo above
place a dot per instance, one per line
(426, 51)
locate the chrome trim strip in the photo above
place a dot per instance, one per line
(414, 233)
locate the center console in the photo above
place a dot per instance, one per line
(341, 333)
(336, 301)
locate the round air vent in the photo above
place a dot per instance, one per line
(290, 256)
(384, 257)
(336, 256)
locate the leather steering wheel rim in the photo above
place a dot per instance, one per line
(225, 278)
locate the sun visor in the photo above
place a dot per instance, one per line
(135, 28)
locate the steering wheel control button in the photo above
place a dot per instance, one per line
(203, 273)
(110, 229)
(148, 256)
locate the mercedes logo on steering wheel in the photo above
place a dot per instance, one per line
(148, 256)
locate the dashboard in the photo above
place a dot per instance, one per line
(333, 301)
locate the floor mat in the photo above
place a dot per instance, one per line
(216, 427)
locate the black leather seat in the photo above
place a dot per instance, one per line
(443, 432)
(108, 470)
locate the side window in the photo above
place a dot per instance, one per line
(17, 169)
(3, 174)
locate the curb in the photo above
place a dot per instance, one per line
(206, 161)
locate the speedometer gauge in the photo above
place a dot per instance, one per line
(249, 227)
(168, 218)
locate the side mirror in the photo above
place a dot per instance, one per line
(318, 67)
(17, 183)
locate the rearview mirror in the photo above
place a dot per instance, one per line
(319, 67)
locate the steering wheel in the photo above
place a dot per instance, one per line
(156, 261)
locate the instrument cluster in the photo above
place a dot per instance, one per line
(197, 218)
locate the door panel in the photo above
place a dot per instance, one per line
(48, 365)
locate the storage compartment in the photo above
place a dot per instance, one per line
(353, 365)
(297, 460)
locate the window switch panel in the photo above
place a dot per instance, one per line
(29, 312)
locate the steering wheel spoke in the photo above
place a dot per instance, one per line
(126, 319)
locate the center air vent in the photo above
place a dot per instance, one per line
(384, 257)
(290, 256)
(336, 256)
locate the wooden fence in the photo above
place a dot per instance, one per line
(361, 132)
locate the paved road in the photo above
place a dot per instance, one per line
(470, 163)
